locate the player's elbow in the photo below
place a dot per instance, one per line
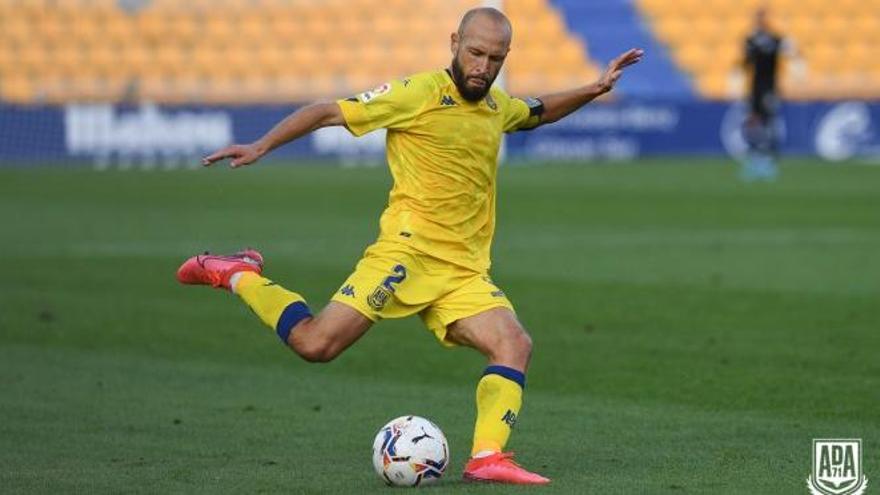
(328, 113)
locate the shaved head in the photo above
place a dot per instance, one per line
(494, 15)
(479, 48)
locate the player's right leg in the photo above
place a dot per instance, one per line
(315, 338)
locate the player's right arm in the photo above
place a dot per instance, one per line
(303, 121)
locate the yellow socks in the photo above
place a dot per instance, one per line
(276, 306)
(499, 398)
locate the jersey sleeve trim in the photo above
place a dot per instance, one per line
(352, 111)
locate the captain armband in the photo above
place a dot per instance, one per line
(536, 106)
(536, 109)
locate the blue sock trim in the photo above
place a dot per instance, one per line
(509, 373)
(292, 314)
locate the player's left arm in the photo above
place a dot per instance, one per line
(558, 105)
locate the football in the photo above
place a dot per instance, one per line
(410, 451)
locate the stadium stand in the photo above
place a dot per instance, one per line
(254, 51)
(614, 26)
(706, 37)
(270, 51)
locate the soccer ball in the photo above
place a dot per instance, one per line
(409, 451)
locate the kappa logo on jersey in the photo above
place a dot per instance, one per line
(447, 101)
(347, 290)
(837, 467)
(374, 93)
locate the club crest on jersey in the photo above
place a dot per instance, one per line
(379, 298)
(837, 467)
(381, 294)
(374, 93)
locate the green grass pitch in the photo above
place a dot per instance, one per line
(692, 333)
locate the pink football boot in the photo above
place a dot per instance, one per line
(215, 270)
(500, 468)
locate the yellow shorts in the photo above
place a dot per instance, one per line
(393, 281)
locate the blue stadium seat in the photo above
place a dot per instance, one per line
(613, 26)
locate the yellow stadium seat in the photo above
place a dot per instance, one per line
(270, 60)
(206, 60)
(100, 60)
(836, 27)
(16, 30)
(17, 89)
(817, 27)
(867, 26)
(697, 56)
(169, 59)
(117, 30)
(80, 49)
(250, 27)
(9, 59)
(137, 59)
(215, 27)
(823, 58)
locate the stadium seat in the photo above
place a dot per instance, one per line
(17, 89)
(833, 38)
(239, 51)
(347, 45)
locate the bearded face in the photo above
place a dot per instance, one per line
(479, 50)
(473, 86)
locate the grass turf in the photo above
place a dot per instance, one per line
(692, 333)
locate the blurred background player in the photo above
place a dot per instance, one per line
(432, 255)
(763, 48)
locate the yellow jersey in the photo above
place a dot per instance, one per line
(443, 154)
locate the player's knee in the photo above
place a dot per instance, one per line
(523, 343)
(517, 344)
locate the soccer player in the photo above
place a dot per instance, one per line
(432, 254)
(762, 50)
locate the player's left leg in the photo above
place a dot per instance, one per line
(479, 315)
(499, 336)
